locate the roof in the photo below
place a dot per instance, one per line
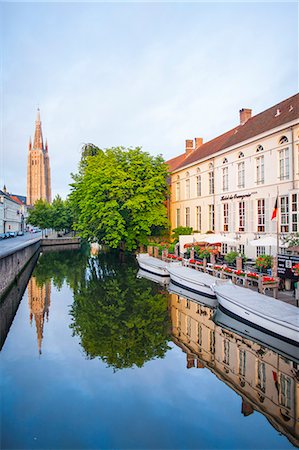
(22, 198)
(16, 199)
(279, 114)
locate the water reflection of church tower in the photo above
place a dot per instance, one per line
(39, 299)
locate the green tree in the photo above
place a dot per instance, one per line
(119, 318)
(40, 215)
(119, 195)
(181, 231)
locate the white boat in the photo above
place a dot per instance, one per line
(152, 277)
(192, 296)
(193, 280)
(275, 343)
(153, 265)
(267, 314)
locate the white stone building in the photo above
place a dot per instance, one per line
(13, 213)
(229, 185)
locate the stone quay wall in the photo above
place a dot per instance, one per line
(14, 261)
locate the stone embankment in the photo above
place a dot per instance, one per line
(14, 260)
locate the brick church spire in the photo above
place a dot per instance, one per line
(38, 167)
(38, 136)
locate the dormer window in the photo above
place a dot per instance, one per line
(283, 140)
(260, 148)
(241, 155)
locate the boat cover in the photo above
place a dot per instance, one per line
(260, 304)
(192, 275)
(151, 261)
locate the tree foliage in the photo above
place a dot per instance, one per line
(119, 195)
(58, 215)
(119, 318)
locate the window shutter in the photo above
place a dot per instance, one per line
(247, 216)
(252, 214)
(219, 217)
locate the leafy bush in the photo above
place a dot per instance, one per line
(181, 231)
(171, 248)
(230, 257)
(204, 254)
(264, 262)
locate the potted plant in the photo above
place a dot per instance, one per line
(263, 263)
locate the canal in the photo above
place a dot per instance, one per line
(95, 357)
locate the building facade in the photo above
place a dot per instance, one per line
(13, 213)
(229, 185)
(38, 167)
(266, 381)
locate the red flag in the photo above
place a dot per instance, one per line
(274, 213)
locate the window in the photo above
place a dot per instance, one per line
(241, 249)
(285, 391)
(283, 140)
(242, 362)
(188, 217)
(284, 164)
(259, 148)
(211, 182)
(178, 190)
(198, 218)
(241, 155)
(212, 342)
(178, 217)
(284, 214)
(241, 216)
(260, 250)
(187, 304)
(260, 170)
(187, 186)
(224, 249)
(199, 334)
(198, 185)
(189, 326)
(295, 212)
(225, 179)
(225, 161)
(241, 174)
(261, 376)
(225, 216)
(226, 351)
(261, 215)
(211, 217)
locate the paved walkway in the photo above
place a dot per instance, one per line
(13, 244)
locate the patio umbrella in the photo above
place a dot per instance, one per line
(218, 239)
(267, 241)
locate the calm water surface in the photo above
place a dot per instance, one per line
(97, 358)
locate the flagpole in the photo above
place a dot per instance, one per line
(277, 223)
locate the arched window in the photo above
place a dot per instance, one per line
(241, 155)
(283, 140)
(259, 148)
(225, 161)
(198, 170)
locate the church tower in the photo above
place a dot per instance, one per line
(38, 167)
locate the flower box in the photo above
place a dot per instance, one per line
(217, 267)
(253, 275)
(192, 261)
(266, 280)
(239, 273)
(199, 263)
(228, 270)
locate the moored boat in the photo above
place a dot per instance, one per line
(153, 265)
(153, 277)
(193, 296)
(277, 318)
(193, 280)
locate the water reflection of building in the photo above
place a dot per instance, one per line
(39, 299)
(266, 381)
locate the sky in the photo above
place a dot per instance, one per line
(136, 74)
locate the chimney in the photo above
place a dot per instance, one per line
(245, 114)
(198, 142)
(189, 146)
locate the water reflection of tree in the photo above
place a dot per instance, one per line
(62, 266)
(119, 318)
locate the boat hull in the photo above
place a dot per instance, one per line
(192, 285)
(164, 281)
(193, 296)
(258, 320)
(155, 270)
(256, 334)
